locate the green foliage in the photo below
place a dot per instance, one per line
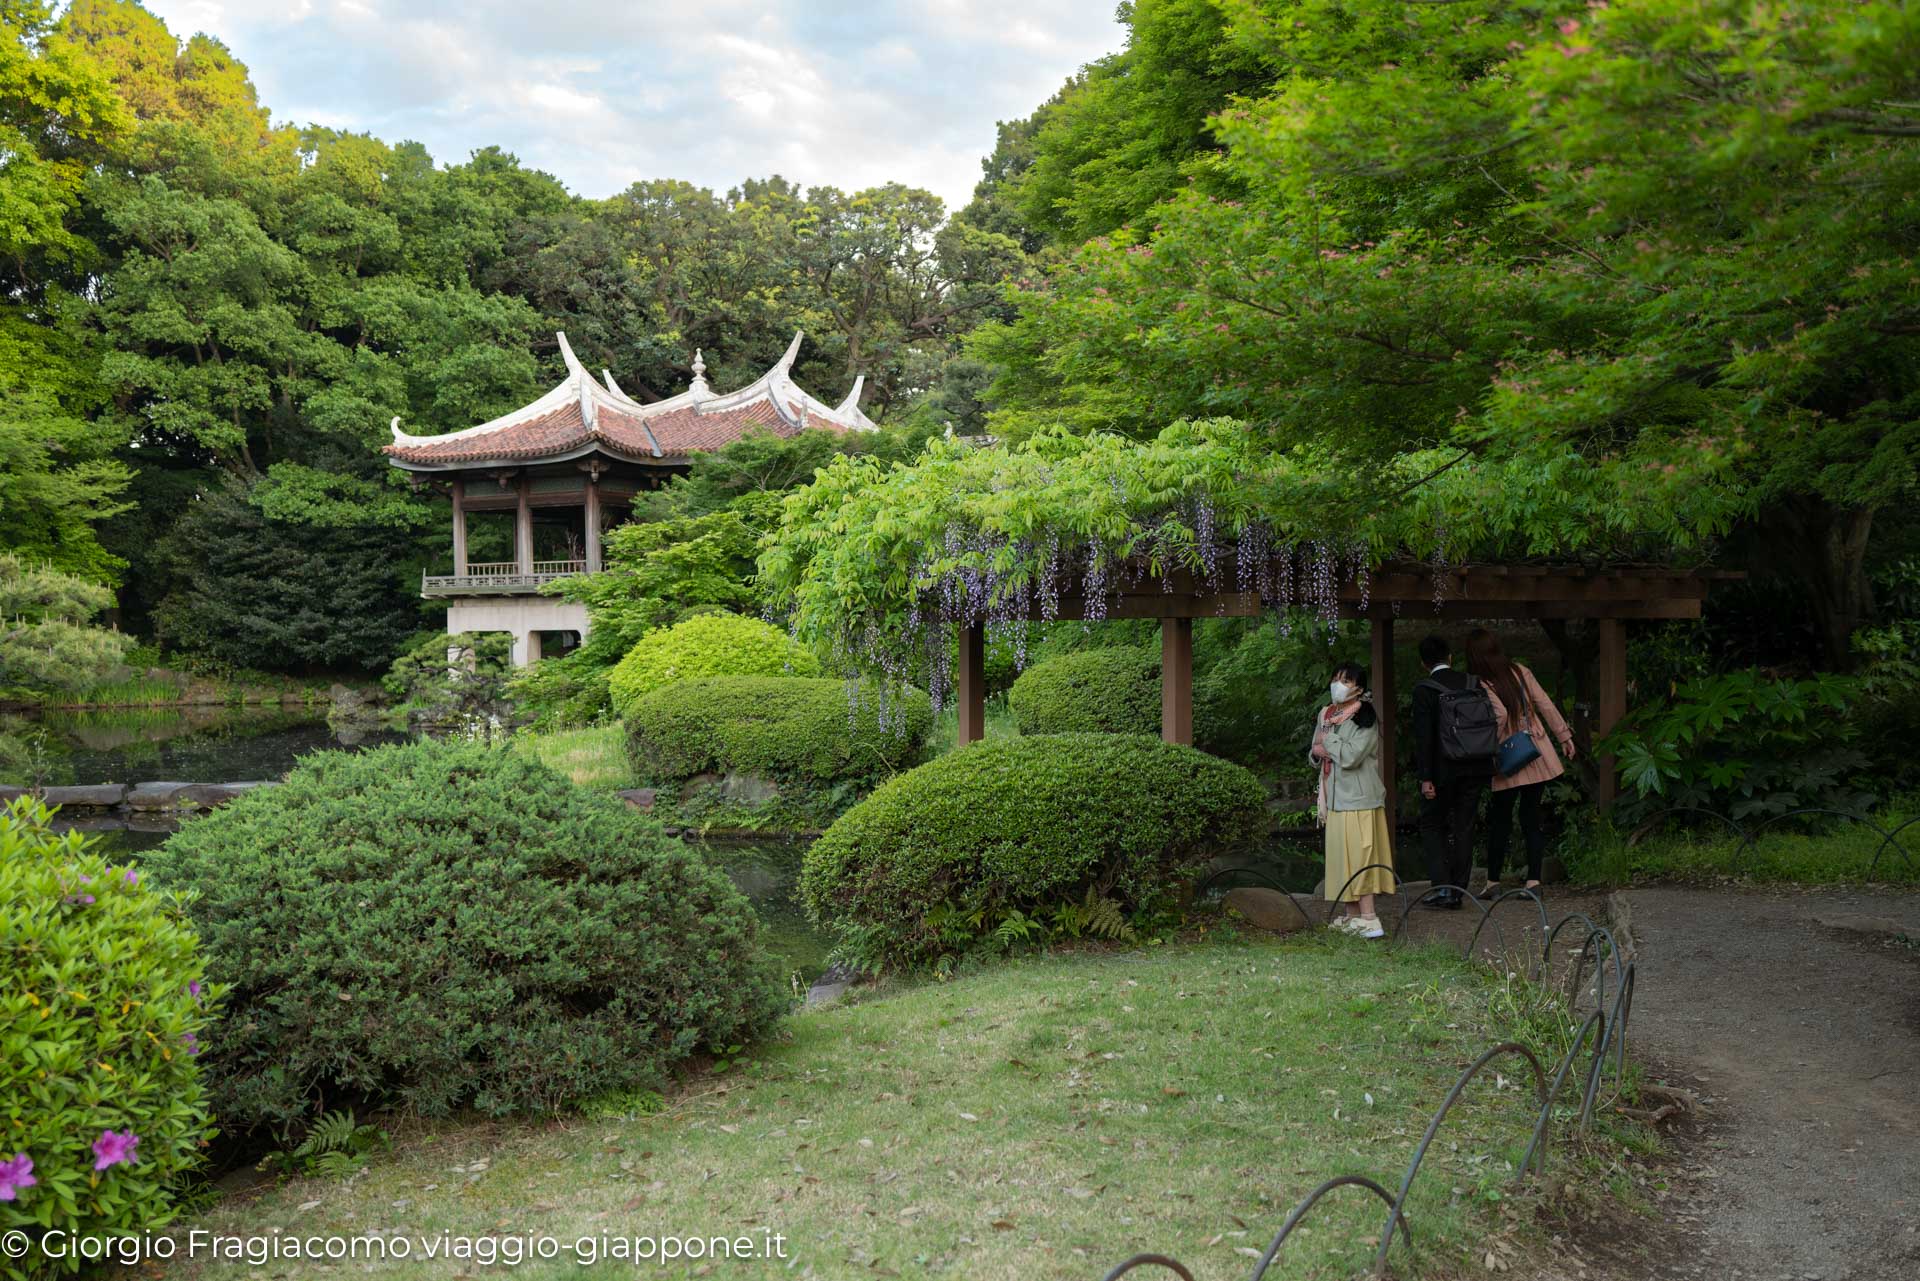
(336, 1146)
(441, 926)
(818, 742)
(1108, 691)
(706, 645)
(1746, 745)
(937, 861)
(252, 591)
(1822, 850)
(47, 640)
(101, 1017)
(447, 680)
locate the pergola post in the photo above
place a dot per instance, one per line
(523, 529)
(1610, 703)
(1385, 700)
(1176, 680)
(460, 528)
(593, 523)
(971, 685)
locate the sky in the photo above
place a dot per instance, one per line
(846, 93)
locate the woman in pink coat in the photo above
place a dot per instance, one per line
(1523, 706)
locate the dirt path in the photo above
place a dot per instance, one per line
(1801, 1029)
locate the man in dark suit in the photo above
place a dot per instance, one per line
(1449, 790)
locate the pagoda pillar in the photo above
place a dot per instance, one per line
(593, 522)
(460, 528)
(523, 530)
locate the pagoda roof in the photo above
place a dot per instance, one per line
(583, 415)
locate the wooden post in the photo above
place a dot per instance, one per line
(593, 523)
(1385, 700)
(460, 528)
(1176, 680)
(971, 684)
(1610, 702)
(523, 530)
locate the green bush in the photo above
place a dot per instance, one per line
(101, 1016)
(1017, 829)
(706, 645)
(781, 728)
(433, 688)
(1095, 691)
(438, 926)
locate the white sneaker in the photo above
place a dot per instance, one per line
(1343, 924)
(1367, 927)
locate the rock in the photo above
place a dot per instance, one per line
(833, 983)
(696, 785)
(210, 795)
(641, 798)
(825, 993)
(746, 789)
(1860, 923)
(1552, 871)
(158, 796)
(98, 796)
(1269, 909)
(11, 792)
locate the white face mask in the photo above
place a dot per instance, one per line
(1341, 691)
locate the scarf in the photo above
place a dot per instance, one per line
(1330, 715)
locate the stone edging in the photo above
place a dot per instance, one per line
(135, 797)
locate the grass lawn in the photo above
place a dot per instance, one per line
(1839, 851)
(1044, 1118)
(594, 757)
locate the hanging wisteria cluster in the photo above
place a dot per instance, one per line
(1003, 585)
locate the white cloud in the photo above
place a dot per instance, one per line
(849, 93)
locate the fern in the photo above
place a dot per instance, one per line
(335, 1147)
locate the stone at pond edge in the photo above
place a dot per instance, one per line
(96, 796)
(158, 796)
(209, 795)
(1267, 909)
(641, 798)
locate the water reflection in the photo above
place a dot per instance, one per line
(60, 748)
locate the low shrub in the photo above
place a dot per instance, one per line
(439, 926)
(716, 644)
(1006, 838)
(1095, 691)
(102, 1015)
(782, 728)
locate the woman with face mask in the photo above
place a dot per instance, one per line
(1352, 801)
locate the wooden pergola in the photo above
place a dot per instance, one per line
(1408, 592)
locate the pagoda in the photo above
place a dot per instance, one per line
(569, 466)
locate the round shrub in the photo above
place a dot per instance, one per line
(781, 728)
(1100, 691)
(1024, 824)
(706, 645)
(102, 1014)
(446, 925)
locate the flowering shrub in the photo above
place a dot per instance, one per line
(103, 1010)
(937, 860)
(706, 645)
(440, 926)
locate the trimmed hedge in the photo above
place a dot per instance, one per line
(716, 644)
(102, 1016)
(1103, 691)
(785, 729)
(445, 925)
(1024, 824)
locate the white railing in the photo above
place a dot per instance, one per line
(499, 577)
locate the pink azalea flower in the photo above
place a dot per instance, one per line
(112, 1148)
(133, 877)
(16, 1174)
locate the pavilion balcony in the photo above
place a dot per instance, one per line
(500, 578)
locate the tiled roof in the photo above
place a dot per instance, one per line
(580, 414)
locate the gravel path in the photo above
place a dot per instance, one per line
(1797, 1016)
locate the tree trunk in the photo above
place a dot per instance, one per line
(1824, 549)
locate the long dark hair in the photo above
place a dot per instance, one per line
(1490, 663)
(1356, 676)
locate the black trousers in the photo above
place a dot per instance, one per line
(1500, 807)
(1446, 829)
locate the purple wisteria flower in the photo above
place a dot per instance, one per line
(112, 1148)
(16, 1174)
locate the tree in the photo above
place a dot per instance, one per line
(1659, 244)
(47, 640)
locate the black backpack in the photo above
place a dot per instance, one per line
(1469, 731)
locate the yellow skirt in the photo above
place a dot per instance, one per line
(1355, 839)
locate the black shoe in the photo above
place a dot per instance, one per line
(1437, 904)
(1490, 891)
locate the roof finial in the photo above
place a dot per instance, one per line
(699, 384)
